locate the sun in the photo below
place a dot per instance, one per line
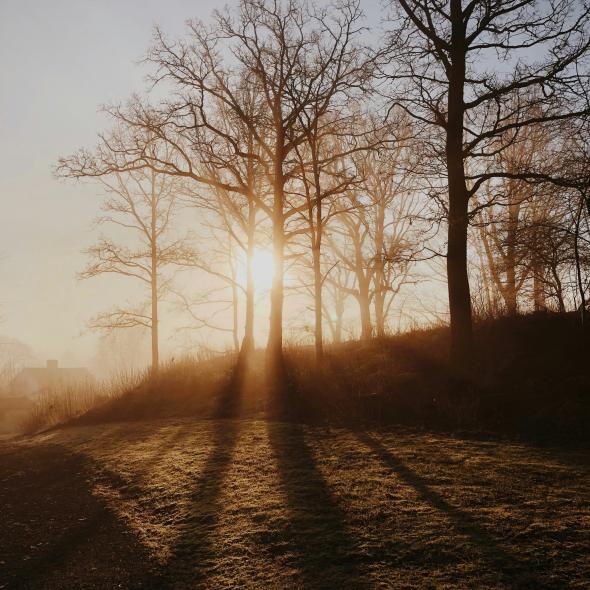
(262, 269)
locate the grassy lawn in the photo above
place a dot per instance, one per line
(238, 503)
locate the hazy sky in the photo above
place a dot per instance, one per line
(59, 61)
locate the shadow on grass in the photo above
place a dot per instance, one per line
(55, 532)
(316, 540)
(510, 572)
(193, 556)
(124, 438)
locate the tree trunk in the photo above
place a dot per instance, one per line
(339, 311)
(558, 289)
(579, 279)
(154, 322)
(317, 265)
(235, 318)
(248, 341)
(490, 274)
(274, 348)
(235, 299)
(538, 293)
(459, 295)
(317, 284)
(379, 300)
(510, 289)
(379, 274)
(154, 278)
(461, 354)
(316, 244)
(335, 316)
(365, 310)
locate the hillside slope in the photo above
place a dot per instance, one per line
(532, 378)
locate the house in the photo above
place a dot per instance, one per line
(33, 380)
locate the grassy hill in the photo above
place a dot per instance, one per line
(361, 475)
(532, 378)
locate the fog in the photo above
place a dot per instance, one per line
(61, 61)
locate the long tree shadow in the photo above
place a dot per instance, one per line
(316, 539)
(193, 555)
(55, 532)
(123, 438)
(509, 570)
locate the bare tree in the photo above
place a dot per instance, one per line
(443, 56)
(14, 354)
(303, 60)
(286, 58)
(531, 232)
(142, 203)
(339, 282)
(377, 235)
(348, 241)
(327, 171)
(393, 209)
(236, 216)
(509, 207)
(229, 245)
(575, 162)
(203, 144)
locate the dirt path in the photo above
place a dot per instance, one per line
(253, 504)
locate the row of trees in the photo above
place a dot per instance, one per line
(533, 238)
(281, 124)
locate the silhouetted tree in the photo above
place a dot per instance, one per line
(143, 203)
(304, 59)
(442, 60)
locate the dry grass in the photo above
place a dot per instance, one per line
(309, 502)
(532, 380)
(63, 403)
(262, 504)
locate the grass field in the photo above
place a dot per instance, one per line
(243, 503)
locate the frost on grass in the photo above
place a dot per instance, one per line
(236, 503)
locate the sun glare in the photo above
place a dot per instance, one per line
(262, 269)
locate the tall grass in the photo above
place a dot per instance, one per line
(61, 403)
(531, 376)
(123, 395)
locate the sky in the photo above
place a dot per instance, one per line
(59, 61)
